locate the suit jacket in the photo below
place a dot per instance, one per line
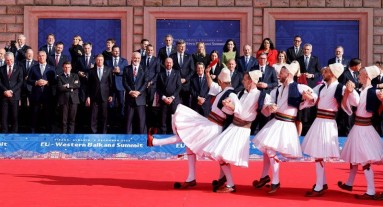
(163, 55)
(117, 77)
(82, 66)
(42, 93)
(137, 84)
(13, 83)
(45, 48)
(59, 67)
(344, 62)
(100, 90)
(152, 70)
(216, 72)
(242, 67)
(201, 90)
(200, 58)
(269, 76)
(186, 70)
(236, 81)
(291, 56)
(142, 52)
(377, 80)
(346, 76)
(68, 95)
(169, 86)
(313, 68)
(19, 53)
(26, 70)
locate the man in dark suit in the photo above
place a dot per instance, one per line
(199, 90)
(42, 78)
(184, 63)
(247, 61)
(134, 81)
(58, 58)
(167, 50)
(309, 66)
(67, 90)
(151, 65)
(18, 48)
(267, 82)
(100, 93)
(236, 76)
(118, 64)
(142, 50)
(85, 64)
(344, 121)
(295, 52)
(11, 80)
(339, 51)
(168, 88)
(49, 48)
(378, 83)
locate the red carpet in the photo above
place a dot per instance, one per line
(150, 183)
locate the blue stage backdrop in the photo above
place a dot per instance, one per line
(96, 31)
(323, 35)
(96, 146)
(213, 33)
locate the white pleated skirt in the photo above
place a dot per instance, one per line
(363, 146)
(195, 130)
(280, 136)
(321, 141)
(231, 146)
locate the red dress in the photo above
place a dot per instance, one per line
(272, 56)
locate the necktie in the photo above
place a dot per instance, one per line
(355, 77)
(168, 51)
(28, 64)
(66, 75)
(49, 49)
(181, 60)
(168, 73)
(147, 62)
(135, 72)
(262, 69)
(307, 62)
(42, 69)
(338, 60)
(200, 81)
(87, 61)
(99, 73)
(115, 62)
(247, 61)
(9, 71)
(1, 63)
(57, 59)
(296, 51)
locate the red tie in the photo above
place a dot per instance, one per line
(57, 60)
(10, 71)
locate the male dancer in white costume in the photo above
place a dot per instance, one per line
(232, 145)
(321, 141)
(364, 145)
(280, 134)
(196, 131)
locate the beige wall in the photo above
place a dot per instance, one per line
(12, 18)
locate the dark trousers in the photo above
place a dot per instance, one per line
(42, 111)
(119, 102)
(166, 118)
(68, 117)
(99, 115)
(9, 108)
(185, 98)
(139, 113)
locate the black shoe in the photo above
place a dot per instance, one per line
(185, 185)
(314, 193)
(325, 187)
(262, 182)
(366, 197)
(220, 182)
(225, 189)
(274, 188)
(344, 186)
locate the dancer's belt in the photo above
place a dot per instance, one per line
(363, 121)
(284, 117)
(241, 123)
(324, 114)
(213, 117)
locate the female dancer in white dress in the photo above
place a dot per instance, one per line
(195, 130)
(364, 145)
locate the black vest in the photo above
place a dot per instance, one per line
(294, 98)
(229, 118)
(373, 103)
(337, 95)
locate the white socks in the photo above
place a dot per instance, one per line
(319, 175)
(191, 164)
(170, 140)
(275, 170)
(369, 174)
(266, 165)
(227, 170)
(351, 176)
